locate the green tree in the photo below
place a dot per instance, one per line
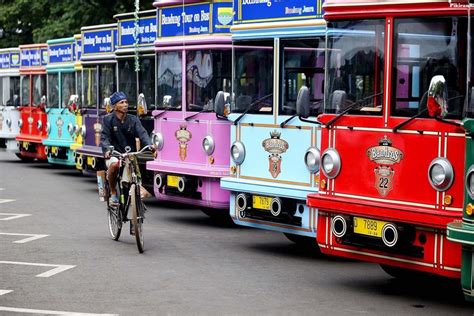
(26, 21)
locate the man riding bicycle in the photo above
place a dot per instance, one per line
(120, 130)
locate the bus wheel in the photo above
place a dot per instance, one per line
(303, 241)
(401, 273)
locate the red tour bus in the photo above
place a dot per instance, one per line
(33, 118)
(392, 160)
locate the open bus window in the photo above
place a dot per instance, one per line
(10, 90)
(39, 88)
(169, 80)
(147, 80)
(207, 72)
(107, 83)
(79, 92)
(303, 65)
(253, 77)
(67, 87)
(89, 77)
(25, 90)
(53, 90)
(426, 47)
(128, 81)
(355, 70)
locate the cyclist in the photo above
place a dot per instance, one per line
(120, 130)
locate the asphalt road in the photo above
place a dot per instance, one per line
(56, 256)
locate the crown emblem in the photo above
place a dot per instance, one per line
(384, 141)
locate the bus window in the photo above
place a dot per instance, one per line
(67, 87)
(25, 90)
(303, 64)
(107, 82)
(39, 88)
(79, 91)
(425, 48)
(53, 90)
(169, 80)
(128, 80)
(10, 89)
(355, 70)
(253, 81)
(147, 80)
(89, 76)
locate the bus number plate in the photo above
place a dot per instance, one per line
(261, 202)
(172, 181)
(368, 227)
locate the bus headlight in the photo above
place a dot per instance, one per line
(237, 152)
(48, 127)
(76, 130)
(83, 131)
(20, 123)
(440, 174)
(39, 125)
(470, 182)
(158, 141)
(70, 129)
(331, 163)
(312, 159)
(208, 145)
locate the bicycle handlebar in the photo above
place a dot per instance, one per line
(123, 155)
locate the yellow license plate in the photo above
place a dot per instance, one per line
(54, 150)
(172, 181)
(25, 145)
(89, 161)
(261, 202)
(368, 227)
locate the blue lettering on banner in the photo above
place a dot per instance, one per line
(147, 30)
(4, 60)
(98, 42)
(190, 20)
(30, 57)
(62, 53)
(277, 10)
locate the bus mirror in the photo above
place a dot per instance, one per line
(437, 97)
(303, 102)
(221, 103)
(141, 105)
(338, 100)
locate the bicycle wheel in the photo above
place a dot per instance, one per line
(113, 216)
(137, 216)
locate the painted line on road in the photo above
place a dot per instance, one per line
(11, 216)
(47, 312)
(58, 268)
(25, 240)
(3, 292)
(6, 200)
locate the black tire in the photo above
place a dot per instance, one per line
(113, 215)
(303, 241)
(137, 216)
(401, 273)
(23, 158)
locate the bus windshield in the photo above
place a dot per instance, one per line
(424, 48)
(253, 77)
(10, 91)
(169, 80)
(89, 77)
(355, 66)
(25, 90)
(128, 81)
(107, 82)
(207, 72)
(53, 90)
(67, 87)
(303, 65)
(146, 82)
(39, 88)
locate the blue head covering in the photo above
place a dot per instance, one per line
(117, 96)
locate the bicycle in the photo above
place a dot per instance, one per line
(129, 196)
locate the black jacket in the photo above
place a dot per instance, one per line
(120, 135)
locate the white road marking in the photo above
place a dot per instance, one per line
(3, 292)
(47, 312)
(11, 216)
(25, 240)
(6, 200)
(58, 268)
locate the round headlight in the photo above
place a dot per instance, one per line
(48, 127)
(208, 145)
(331, 163)
(312, 159)
(158, 140)
(39, 125)
(237, 151)
(440, 174)
(70, 129)
(76, 129)
(20, 123)
(83, 131)
(470, 182)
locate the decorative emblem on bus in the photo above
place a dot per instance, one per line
(59, 124)
(275, 146)
(183, 136)
(224, 15)
(384, 155)
(30, 124)
(97, 132)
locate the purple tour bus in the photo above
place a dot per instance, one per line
(194, 58)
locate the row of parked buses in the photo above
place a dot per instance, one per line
(345, 125)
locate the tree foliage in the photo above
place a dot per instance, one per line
(26, 21)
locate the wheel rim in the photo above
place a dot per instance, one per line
(115, 225)
(137, 216)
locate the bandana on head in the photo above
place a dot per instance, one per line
(117, 97)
